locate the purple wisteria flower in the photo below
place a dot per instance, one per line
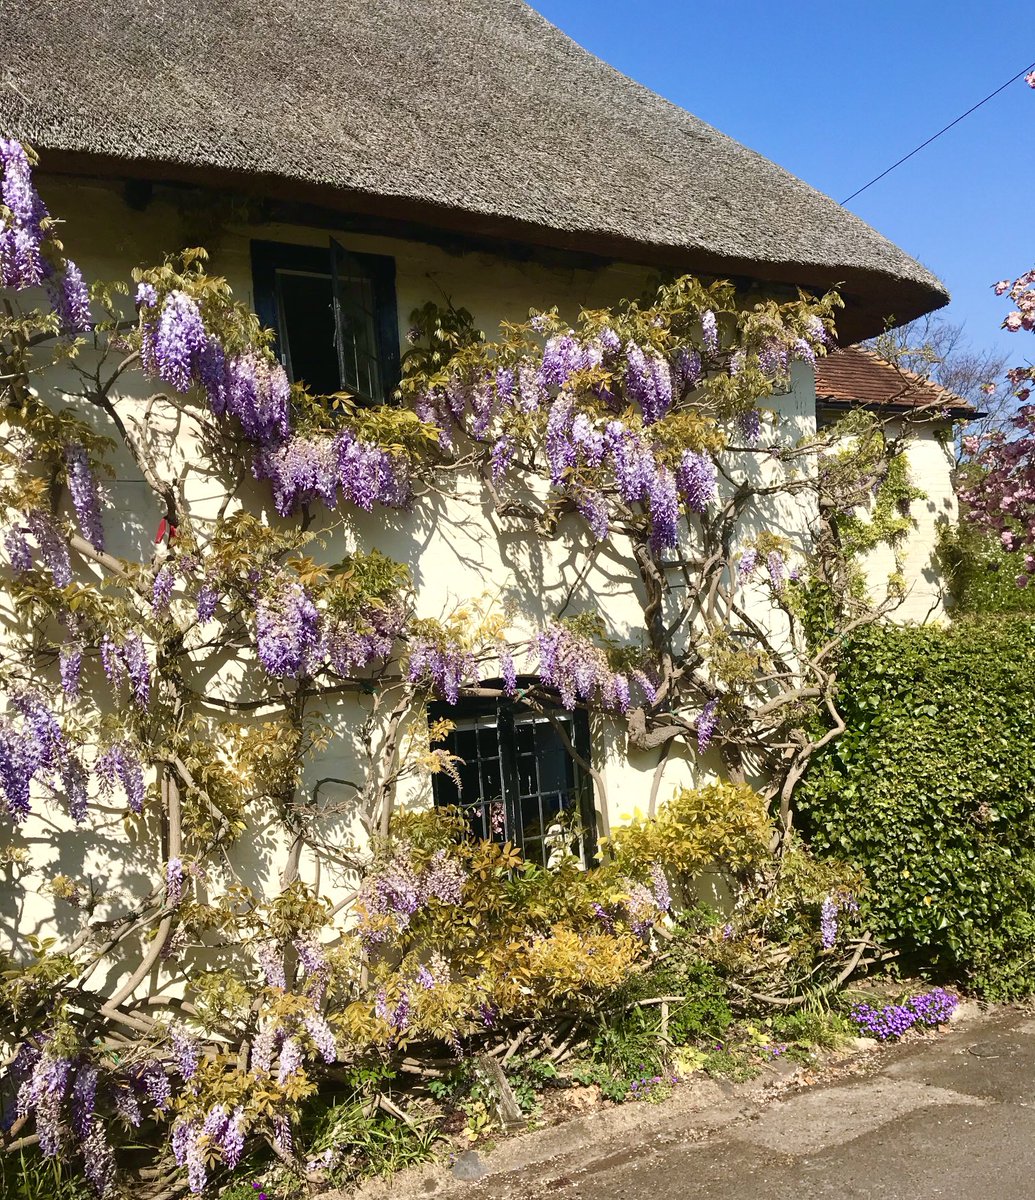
(146, 296)
(83, 1099)
(178, 340)
(709, 333)
(120, 763)
(174, 882)
(659, 884)
(70, 299)
(287, 631)
(207, 602)
(828, 922)
(21, 235)
(18, 550)
(749, 426)
(664, 509)
(508, 672)
(162, 589)
(138, 668)
(52, 545)
(748, 562)
(187, 1050)
(706, 723)
(291, 1059)
(445, 665)
(85, 494)
(775, 565)
(687, 371)
(697, 478)
(270, 954)
(98, 1159)
(322, 1036)
(70, 664)
(648, 382)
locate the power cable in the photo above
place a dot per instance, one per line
(905, 158)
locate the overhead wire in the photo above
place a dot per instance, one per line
(934, 137)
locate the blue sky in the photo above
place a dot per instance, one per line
(837, 92)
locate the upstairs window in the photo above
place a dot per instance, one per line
(520, 782)
(334, 313)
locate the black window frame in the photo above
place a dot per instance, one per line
(509, 713)
(269, 257)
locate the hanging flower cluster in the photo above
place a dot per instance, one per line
(294, 637)
(32, 749)
(392, 894)
(302, 469)
(443, 664)
(23, 238)
(577, 669)
(70, 1100)
(50, 543)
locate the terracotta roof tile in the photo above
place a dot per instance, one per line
(859, 376)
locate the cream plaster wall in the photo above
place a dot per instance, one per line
(931, 458)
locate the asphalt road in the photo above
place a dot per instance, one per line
(951, 1116)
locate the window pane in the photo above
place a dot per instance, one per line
(306, 304)
(358, 345)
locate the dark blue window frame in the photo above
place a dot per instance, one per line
(341, 269)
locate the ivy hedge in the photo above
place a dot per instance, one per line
(931, 792)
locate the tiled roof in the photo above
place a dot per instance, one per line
(858, 376)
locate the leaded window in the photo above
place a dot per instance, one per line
(519, 780)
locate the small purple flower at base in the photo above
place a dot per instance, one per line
(706, 723)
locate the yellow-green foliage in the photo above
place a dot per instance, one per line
(722, 825)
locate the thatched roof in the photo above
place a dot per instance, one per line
(470, 114)
(858, 376)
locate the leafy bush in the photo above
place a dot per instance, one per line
(931, 791)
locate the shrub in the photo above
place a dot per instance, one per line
(931, 791)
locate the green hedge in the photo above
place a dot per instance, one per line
(931, 791)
